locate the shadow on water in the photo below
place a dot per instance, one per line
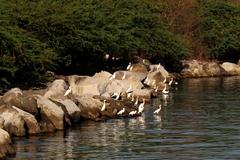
(199, 120)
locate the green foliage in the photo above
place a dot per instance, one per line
(39, 35)
(22, 56)
(220, 28)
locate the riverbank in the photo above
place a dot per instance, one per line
(73, 99)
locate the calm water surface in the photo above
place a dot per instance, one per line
(200, 120)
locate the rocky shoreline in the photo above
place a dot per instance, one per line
(74, 98)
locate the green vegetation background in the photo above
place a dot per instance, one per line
(73, 36)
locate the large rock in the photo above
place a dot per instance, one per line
(13, 121)
(72, 109)
(139, 68)
(1, 122)
(13, 96)
(56, 88)
(142, 94)
(5, 144)
(159, 68)
(25, 101)
(195, 69)
(31, 122)
(82, 85)
(231, 68)
(155, 79)
(51, 111)
(90, 107)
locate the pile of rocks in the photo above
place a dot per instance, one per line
(197, 69)
(75, 98)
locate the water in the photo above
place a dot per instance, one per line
(201, 120)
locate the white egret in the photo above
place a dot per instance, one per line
(165, 91)
(170, 82)
(104, 105)
(158, 110)
(121, 111)
(129, 65)
(141, 106)
(129, 95)
(165, 80)
(132, 113)
(136, 102)
(131, 68)
(129, 89)
(158, 67)
(116, 95)
(156, 90)
(132, 98)
(68, 91)
(113, 76)
(154, 82)
(124, 76)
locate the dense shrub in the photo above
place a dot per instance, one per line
(220, 29)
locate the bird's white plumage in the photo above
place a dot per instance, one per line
(158, 110)
(132, 113)
(129, 66)
(121, 111)
(104, 106)
(68, 91)
(141, 106)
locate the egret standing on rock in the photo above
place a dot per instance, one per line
(132, 113)
(124, 76)
(136, 102)
(158, 110)
(68, 91)
(121, 111)
(113, 76)
(129, 65)
(104, 106)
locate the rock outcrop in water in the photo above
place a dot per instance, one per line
(99, 97)
(197, 69)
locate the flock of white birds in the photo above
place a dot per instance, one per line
(141, 106)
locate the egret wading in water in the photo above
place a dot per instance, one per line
(170, 82)
(121, 111)
(158, 110)
(129, 66)
(104, 106)
(141, 106)
(68, 91)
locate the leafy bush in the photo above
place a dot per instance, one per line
(220, 29)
